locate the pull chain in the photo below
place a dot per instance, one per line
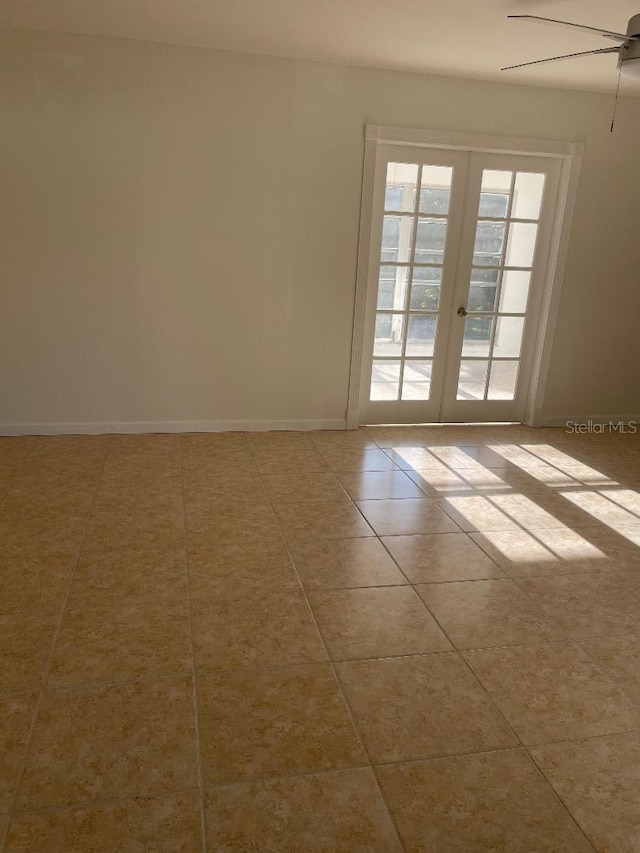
(615, 103)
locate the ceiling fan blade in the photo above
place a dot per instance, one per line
(565, 56)
(606, 33)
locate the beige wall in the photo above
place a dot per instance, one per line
(179, 231)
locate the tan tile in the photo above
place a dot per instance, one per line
(274, 722)
(587, 605)
(202, 490)
(303, 487)
(441, 557)
(486, 455)
(326, 520)
(146, 495)
(376, 485)
(167, 824)
(32, 582)
(231, 571)
(443, 481)
(458, 457)
(628, 499)
(15, 449)
(619, 657)
(354, 439)
(478, 803)
(236, 522)
(416, 707)
(553, 692)
(540, 552)
(358, 459)
(25, 640)
(143, 444)
(218, 463)
(336, 812)
(259, 629)
(68, 452)
(343, 563)
(623, 542)
(381, 622)
(130, 492)
(113, 531)
(532, 512)
(126, 639)
(597, 507)
(414, 457)
(407, 436)
(289, 461)
(280, 440)
(203, 441)
(16, 713)
(117, 741)
(410, 515)
(57, 493)
(41, 533)
(119, 467)
(132, 574)
(478, 513)
(537, 480)
(74, 446)
(513, 452)
(482, 613)
(88, 467)
(599, 781)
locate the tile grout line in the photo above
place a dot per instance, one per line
(194, 671)
(47, 667)
(45, 687)
(334, 670)
(11, 479)
(467, 666)
(5, 834)
(500, 713)
(502, 716)
(150, 678)
(104, 801)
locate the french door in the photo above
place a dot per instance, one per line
(458, 256)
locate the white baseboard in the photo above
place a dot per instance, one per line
(591, 419)
(135, 427)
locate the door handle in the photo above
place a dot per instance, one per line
(462, 311)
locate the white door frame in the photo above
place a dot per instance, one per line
(570, 155)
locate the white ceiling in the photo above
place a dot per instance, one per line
(465, 38)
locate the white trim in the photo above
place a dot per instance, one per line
(362, 274)
(569, 153)
(590, 419)
(558, 251)
(471, 141)
(136, 427)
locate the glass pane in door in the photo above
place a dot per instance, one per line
(385, 379)
(416, 381)
(472, 381)
(502, 383)
(506, 234)
(400, 189)
(413, 244)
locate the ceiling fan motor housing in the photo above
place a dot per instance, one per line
(629, 55)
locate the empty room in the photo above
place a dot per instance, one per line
(319, 426)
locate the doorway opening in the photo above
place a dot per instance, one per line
(461, 248)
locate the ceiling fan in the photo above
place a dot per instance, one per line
(628, 47)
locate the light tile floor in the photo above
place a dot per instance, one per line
(419, 639)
